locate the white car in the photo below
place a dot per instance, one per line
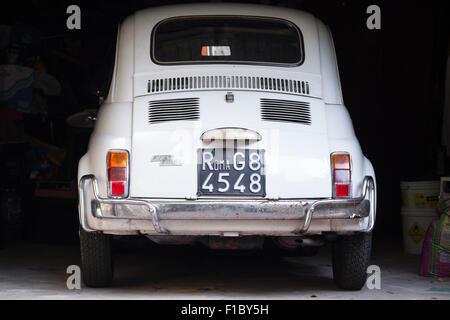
(225, 125)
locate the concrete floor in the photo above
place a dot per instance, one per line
(145, 271)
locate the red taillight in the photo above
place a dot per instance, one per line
(341, 174)
(118, 173)
(117, 188)
(342, 190)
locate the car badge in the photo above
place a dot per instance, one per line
(229, 97)
(167, 160)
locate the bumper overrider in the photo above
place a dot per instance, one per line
(217, 216)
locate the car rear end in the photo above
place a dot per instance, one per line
(232, 127)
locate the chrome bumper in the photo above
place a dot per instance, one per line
(303, 210)
(220, 209)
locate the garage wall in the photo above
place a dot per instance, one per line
(392, 78)
(392, 81)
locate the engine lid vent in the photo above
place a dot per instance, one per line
(193, 83)
(286, 110)
(173, 110)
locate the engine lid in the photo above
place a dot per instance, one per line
(168, 130)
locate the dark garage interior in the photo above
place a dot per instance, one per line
(394, 86)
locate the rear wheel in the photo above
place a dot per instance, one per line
(96, 259)
(351, 257)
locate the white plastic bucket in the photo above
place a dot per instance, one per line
(415, 225)
(420, 195)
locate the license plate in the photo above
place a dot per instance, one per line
(237, 172)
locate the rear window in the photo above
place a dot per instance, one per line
(226, 39)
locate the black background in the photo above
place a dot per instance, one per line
(392, 79)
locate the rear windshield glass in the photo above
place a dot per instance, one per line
(222, 39)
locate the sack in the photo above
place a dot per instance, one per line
(436, 246)
(443, 206)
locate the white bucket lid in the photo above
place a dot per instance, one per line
(419, 212)
(434, 185)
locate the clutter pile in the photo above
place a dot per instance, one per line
(436, 247)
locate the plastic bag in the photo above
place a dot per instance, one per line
(436, 247)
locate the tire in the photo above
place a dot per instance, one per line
(96, 259)
(351, 257)
(308, 251)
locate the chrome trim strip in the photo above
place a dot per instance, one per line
(230, 133)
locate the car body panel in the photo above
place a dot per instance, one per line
(297, 154)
